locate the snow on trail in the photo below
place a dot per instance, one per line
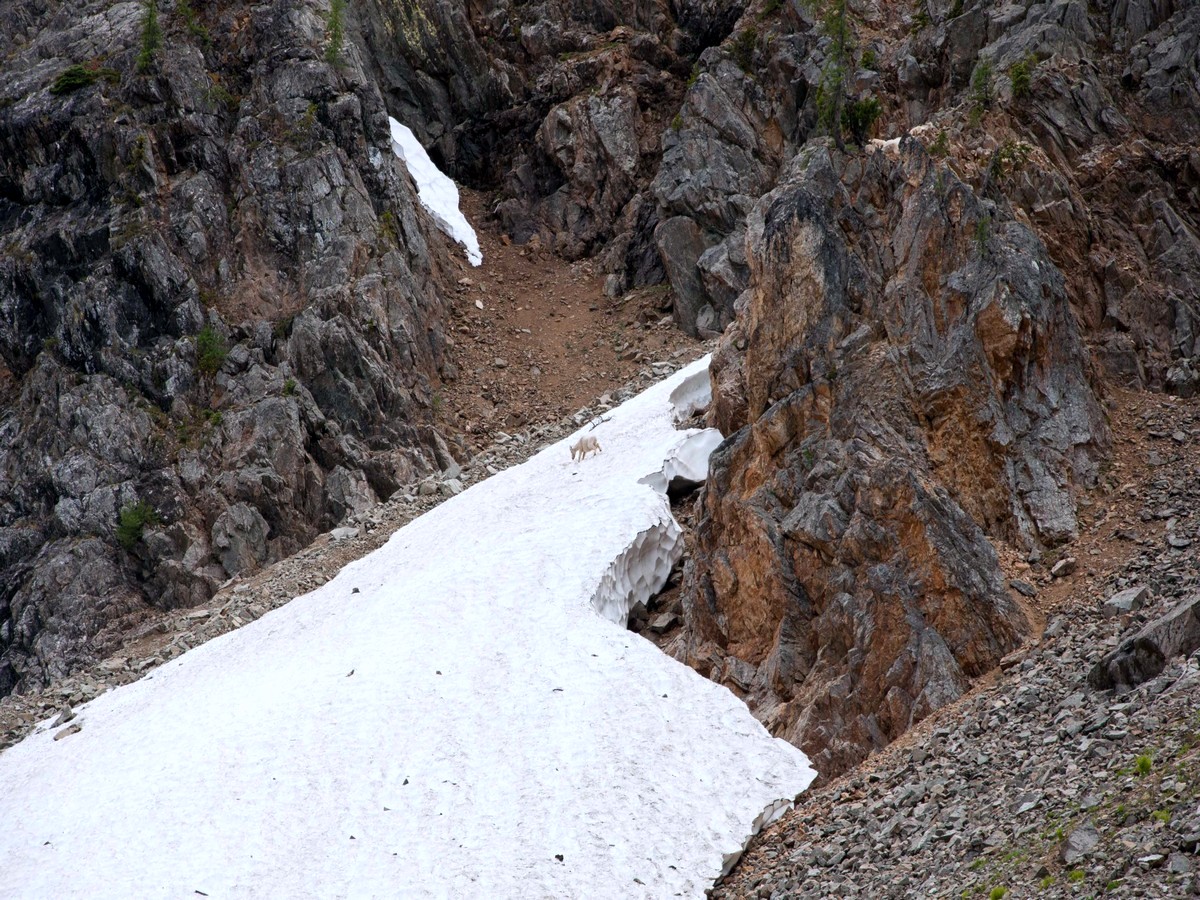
(438, 194)
(465, 726)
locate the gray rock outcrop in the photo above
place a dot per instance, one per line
(1144, 655)
(219, 312)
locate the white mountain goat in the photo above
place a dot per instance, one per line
(585, 445)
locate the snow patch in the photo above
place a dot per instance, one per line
(771, 813)
(644, 567)
(448, 717)
(691, 395)
(687, 466)
(438, 193)
(640, 571)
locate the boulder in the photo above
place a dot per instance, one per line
(1125, 602)
(1145, 654)
(1079, 843)
(681, 243)
(239, 539)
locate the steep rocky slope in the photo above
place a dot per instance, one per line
(219, 312)
(903, 387)
(906, 381)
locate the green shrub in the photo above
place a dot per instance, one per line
(210, 351)
(289, 387)
(1022, 78)
(151, 37)
(743, 48)
(1143, 764)
(132, 522)
(940, 145)
(217, 93)
(998, 893)
(1009, 158)
(1046, 882)
(72, 78)
(1076, 875)
(389, 229)
(858, 116)
(335, 31)
(868, 59)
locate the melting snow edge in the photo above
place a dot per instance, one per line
(437, 192)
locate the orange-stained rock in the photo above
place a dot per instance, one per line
(901, 381)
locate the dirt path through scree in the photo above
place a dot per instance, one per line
(533, 338)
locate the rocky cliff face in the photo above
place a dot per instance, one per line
(904, 375)
(1109, 112)
(218, 310)
(569, 111)
(907, 374)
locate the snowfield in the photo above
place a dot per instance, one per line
(438, 194)
(467, 725)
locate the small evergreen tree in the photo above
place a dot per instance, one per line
(132, 522)
(335, 31)
(831, 93)
(151, 37)
(1021, 74)
(981, 89)
(210, 351)
(858, 116)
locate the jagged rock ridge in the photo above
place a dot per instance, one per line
(893, 386)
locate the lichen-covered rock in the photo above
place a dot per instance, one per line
(905, 377)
